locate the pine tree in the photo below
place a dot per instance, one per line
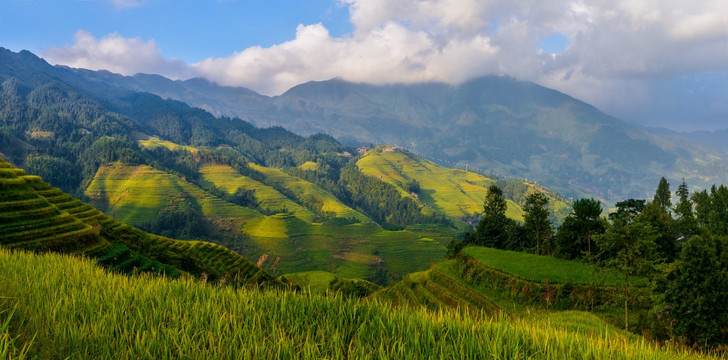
(686, 223)
(663, 195)
(492, 230)
(537, 224)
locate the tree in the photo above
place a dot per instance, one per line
(629, 247)
(702, 202)
(664, 228)
(492, 230)
(686, 224)
(574, 237)
(695, 291)
(628, 209)
(663, 195)
(537, 224)
(244, 197)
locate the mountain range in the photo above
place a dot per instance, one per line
(495, 124)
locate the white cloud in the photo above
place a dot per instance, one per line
(616, 48)
(117, 54)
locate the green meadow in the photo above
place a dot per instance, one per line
(66, 308)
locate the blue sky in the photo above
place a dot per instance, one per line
(184, 29)
(659, 63)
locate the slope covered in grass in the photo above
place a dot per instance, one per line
(304, 189)
(74, 310)
(137, 194)
(455, 192)
(36, 216)
(544, 268)
(269, 199)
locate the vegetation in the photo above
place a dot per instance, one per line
(640, 240)
(35, 216)
(72, 309)
(322, 282)
(459, 194)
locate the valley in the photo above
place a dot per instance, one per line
(137, 226)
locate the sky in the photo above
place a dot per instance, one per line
(659, 63)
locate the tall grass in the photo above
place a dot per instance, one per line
(76, 310)
(8, 350)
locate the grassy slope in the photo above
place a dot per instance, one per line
(74, 310)
(136, 194)
(544, 268)
(35, 216)
(455, 192)
(529, 286)
(304, 188)
(226, 178)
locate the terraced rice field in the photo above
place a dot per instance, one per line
(270, 199)
(545, 268)
(29, 221)
(455, 192)
(324, 282)
(36, 216)
(155, 143)
(136, 194)
(437, 288)
(303, 188)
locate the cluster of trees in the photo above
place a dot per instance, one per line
(681, 249)
(382, 201)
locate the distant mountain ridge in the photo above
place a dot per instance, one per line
(496, 124)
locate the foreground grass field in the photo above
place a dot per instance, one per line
(70, 308)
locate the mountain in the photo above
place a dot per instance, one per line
(496, 124)
(715, 138)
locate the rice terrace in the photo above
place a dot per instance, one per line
(363, 179)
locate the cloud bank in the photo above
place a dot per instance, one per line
(617, 52)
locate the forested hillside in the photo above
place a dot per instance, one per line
(500, 125)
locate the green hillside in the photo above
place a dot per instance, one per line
(455, 192)
(137, 194)
(269, 199)
(66, 308)
(519, 285)
(305, 190)
(36, 216)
